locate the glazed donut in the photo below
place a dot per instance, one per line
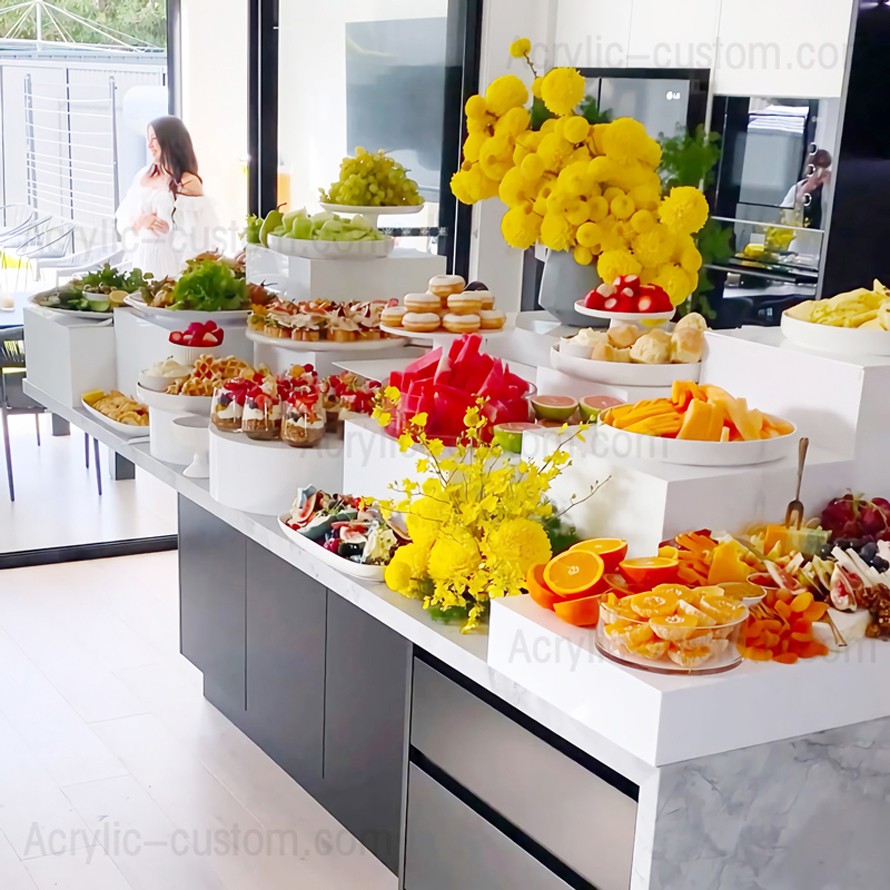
(421, 322)
(464, 304)
(461, 324)
(492, 319)
(446, 285)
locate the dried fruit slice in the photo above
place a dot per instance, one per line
(573, 572)
(611, 550)
(650, 570)
(674, 627)
(650, 605)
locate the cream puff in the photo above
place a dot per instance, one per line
(687, 345)
(461, 324)
(422, 302)
(392, 316)
(606, 352)
(492, 319)
(444, 286)
(694, 320)
(653, 348)
(465, 303)
(421, 322)
(623, 336)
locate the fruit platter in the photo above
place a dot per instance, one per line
(854, 323)
(698, 426)
(630, 355)
(628, 299)
(117, 411)
(343, 532)
(93, 295)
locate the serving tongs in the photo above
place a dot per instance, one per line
(794, 513)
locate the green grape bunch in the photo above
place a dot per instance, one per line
(372, 180)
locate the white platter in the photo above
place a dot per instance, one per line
(643, 319)
(71, 313)
(366, 573)
(332, 250)
(623, 373)
(349, 209)
(326, 345)
(442, 334)
(839, 341)
(124, 429)
(184, 317)
(622, 444)
(175, 404)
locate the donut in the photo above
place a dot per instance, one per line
(446, 285)
(422, 302)
(392, 316)
(486, 297)
(464, 304)
(421, 322)
(492, 319)
(461, 324)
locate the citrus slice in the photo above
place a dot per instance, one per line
(612, 550)
(654, 651)
(573, 572)
(722, 609)
(537, 589)
(678, 626)
(649, 605)
(620, 628)
(580, 612)
(650, 570)
(689, 658)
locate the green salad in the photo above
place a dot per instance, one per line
(98, 291)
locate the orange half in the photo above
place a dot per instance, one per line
(650, 570)
(573, 572)
(580, 612)
(537, 589)
(611, 550)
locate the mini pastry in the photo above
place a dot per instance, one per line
(492, 319)
(421, 322)
(392, 316)
(693, 320)
(461, 324)
(464, 304)
(606, 352)
(621, 336)
(653, 348)
(445, 285)
(422, 303)
(687, 345)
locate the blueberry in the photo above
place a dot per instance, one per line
(880, 564)
(869, 551)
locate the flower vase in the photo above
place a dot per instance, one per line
(563, 283)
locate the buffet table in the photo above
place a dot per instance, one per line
(524, 758)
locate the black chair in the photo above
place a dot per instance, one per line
(13, 400)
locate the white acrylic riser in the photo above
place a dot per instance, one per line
(168, 442)
(373, 461)
(325, 363)
(647, 502)
(403, 272)
(263, 477)
(68, 356)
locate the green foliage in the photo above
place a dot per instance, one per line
(689, 158)
(144, 20)
(590, 109)
(539, 114)
(562, 534)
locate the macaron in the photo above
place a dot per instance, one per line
(492, 319)
(392, 316)
(464, 304)
(421, 322)
(461, 324)
(446, 285)
(422, 302)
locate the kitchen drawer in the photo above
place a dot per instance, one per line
(573, 813)
(450, 846)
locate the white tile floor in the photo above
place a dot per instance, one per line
(114, 771)
(57, 503)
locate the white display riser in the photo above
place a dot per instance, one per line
(68, 356)
(263, 477)
(325, 363)
(403, 272)
(552, 382)
(647, 502)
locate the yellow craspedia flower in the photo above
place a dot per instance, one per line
(590, 235)
(622, 207)
(602, 169)
(521, 227)
(464, 187)
(537, 83)
(684, 211)
(397, 576)
(577, 212)
(505, 92)
(643, 221)
(576, 179)
(624, 140)
(478, 125)
(476, 109)
(630, 176)
(597, 208)
(532, 167)
(516, 545)
(613, 264)
(678, 283)
(424, 520)
(612, 192)
(553, 150)
(557, 232)
(655, 247)
(515, 189)
(496, 157)
(473, 145)
(576, 129)
(513, 123)
(455, 553)
(646, 197)
(521, 47)
(583, 256)
(562, 90)
(409, 564)
(614, 236)
(691, 260)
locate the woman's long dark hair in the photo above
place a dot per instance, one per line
(177, 154)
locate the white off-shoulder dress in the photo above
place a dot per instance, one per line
(192, 221)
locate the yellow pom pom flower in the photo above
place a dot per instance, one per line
(515, 189)
(455, 553)
(613, 192)
(557, 232)
(505, 92)
(597, 208)
(554, 150)
(516, 545)
(577, 212)
(613, 264)
(678, 283)
(476, 109)
(496, 157)
(602, 169)
(583, 256)
(622, 206)
(590, 235)
(646, 197)
(576, 129)
(537, 83)
(532, 167)
(625, 140)
(691, 260)
(655, 247)
(521, 47)
(473, 145)
(521, 226)
(513, 123)
(684, 211)
(464, 186)
(562, 90)
(408, 565)
(479, 125)
(643, 221)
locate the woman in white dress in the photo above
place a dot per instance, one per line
(165, 218)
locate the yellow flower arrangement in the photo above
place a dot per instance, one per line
(476, 520)
(558, 180)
